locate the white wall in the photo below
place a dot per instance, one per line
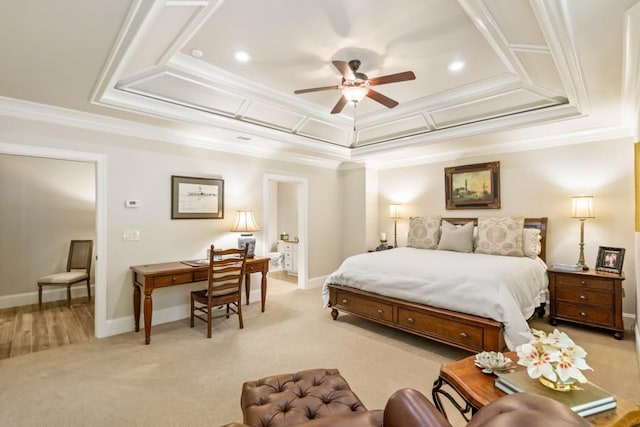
(45, 204)
(535, 184)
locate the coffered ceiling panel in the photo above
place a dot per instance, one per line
(480, 66)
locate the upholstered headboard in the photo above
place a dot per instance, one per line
(538, 223)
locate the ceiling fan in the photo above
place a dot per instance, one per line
(355, 86)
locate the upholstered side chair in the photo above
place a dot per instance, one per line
(78, 268)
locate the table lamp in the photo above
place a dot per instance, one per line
(394, 213)
(245, 224)
(582, 208)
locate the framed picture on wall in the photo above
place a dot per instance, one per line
(610, 259)
(197, 198)
(474, 186)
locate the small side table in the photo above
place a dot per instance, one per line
(474, 390)
(588, 297)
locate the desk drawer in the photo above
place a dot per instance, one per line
(255, 267)
(469, 335)
(173, 279)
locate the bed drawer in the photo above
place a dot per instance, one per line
(584, 313)
(584, 296)
(364, 306)
(469, 335)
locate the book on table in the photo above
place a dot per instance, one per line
(588, 400)
(567, 267)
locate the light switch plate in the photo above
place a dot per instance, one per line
(131, 203)
(130, 235)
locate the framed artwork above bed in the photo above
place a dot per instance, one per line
(474, 186)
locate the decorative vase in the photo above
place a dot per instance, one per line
(559, 385)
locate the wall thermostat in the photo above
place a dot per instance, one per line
(132, 203)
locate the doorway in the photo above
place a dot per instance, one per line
(272, 233)
(100, 326)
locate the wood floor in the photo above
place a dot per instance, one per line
(28, 329)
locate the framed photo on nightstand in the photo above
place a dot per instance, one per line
(610, 259)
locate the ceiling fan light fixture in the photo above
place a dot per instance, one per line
(354, 94)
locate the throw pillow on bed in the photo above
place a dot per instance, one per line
(458, 239)
(500, 236)
(531, 242)
(424, 232)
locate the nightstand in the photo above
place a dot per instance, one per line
(588, 297)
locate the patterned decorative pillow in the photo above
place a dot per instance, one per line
(500, 236)
(456, 238)
(424, 232)
(531, 242)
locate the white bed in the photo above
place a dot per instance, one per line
(503, 288)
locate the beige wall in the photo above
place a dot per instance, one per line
(540, 183)
(287, 209)
(45, 204)
(141, 169)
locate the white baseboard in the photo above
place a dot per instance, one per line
(315, 282)
(126, 324)
(49, 293)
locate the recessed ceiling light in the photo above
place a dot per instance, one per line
(196, 53)
(242, 56)
(456, 66)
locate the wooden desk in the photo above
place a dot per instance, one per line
(477, 390)
(149, 277)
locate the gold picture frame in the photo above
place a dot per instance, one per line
(474, 186)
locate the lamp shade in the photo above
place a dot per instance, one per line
(245, 222)
(394, 211)
(582, 207)
(354, 93)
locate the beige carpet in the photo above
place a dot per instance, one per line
(184, 379)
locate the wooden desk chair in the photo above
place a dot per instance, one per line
(78, 267)
(226, 272)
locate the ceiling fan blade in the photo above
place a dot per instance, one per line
(344, 69)
(315, 89)
(392, 78)
(384, 100)
(339, 105)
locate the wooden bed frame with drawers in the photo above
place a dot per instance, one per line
(466, 331)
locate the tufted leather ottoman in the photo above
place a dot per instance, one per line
(289, 399)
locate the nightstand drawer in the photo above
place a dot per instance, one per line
(584, 282)
(585, 314)
(584, 296)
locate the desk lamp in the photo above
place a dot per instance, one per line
(245, 224)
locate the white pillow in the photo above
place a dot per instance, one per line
(500, 236)
(424, 232)
(456, 238)
(531, 242)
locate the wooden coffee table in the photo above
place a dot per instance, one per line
(474, 390)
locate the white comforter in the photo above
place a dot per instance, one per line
(506, 289)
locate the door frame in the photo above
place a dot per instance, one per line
(303, 219)
(100, 269)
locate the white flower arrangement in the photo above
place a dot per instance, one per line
(554, 356)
